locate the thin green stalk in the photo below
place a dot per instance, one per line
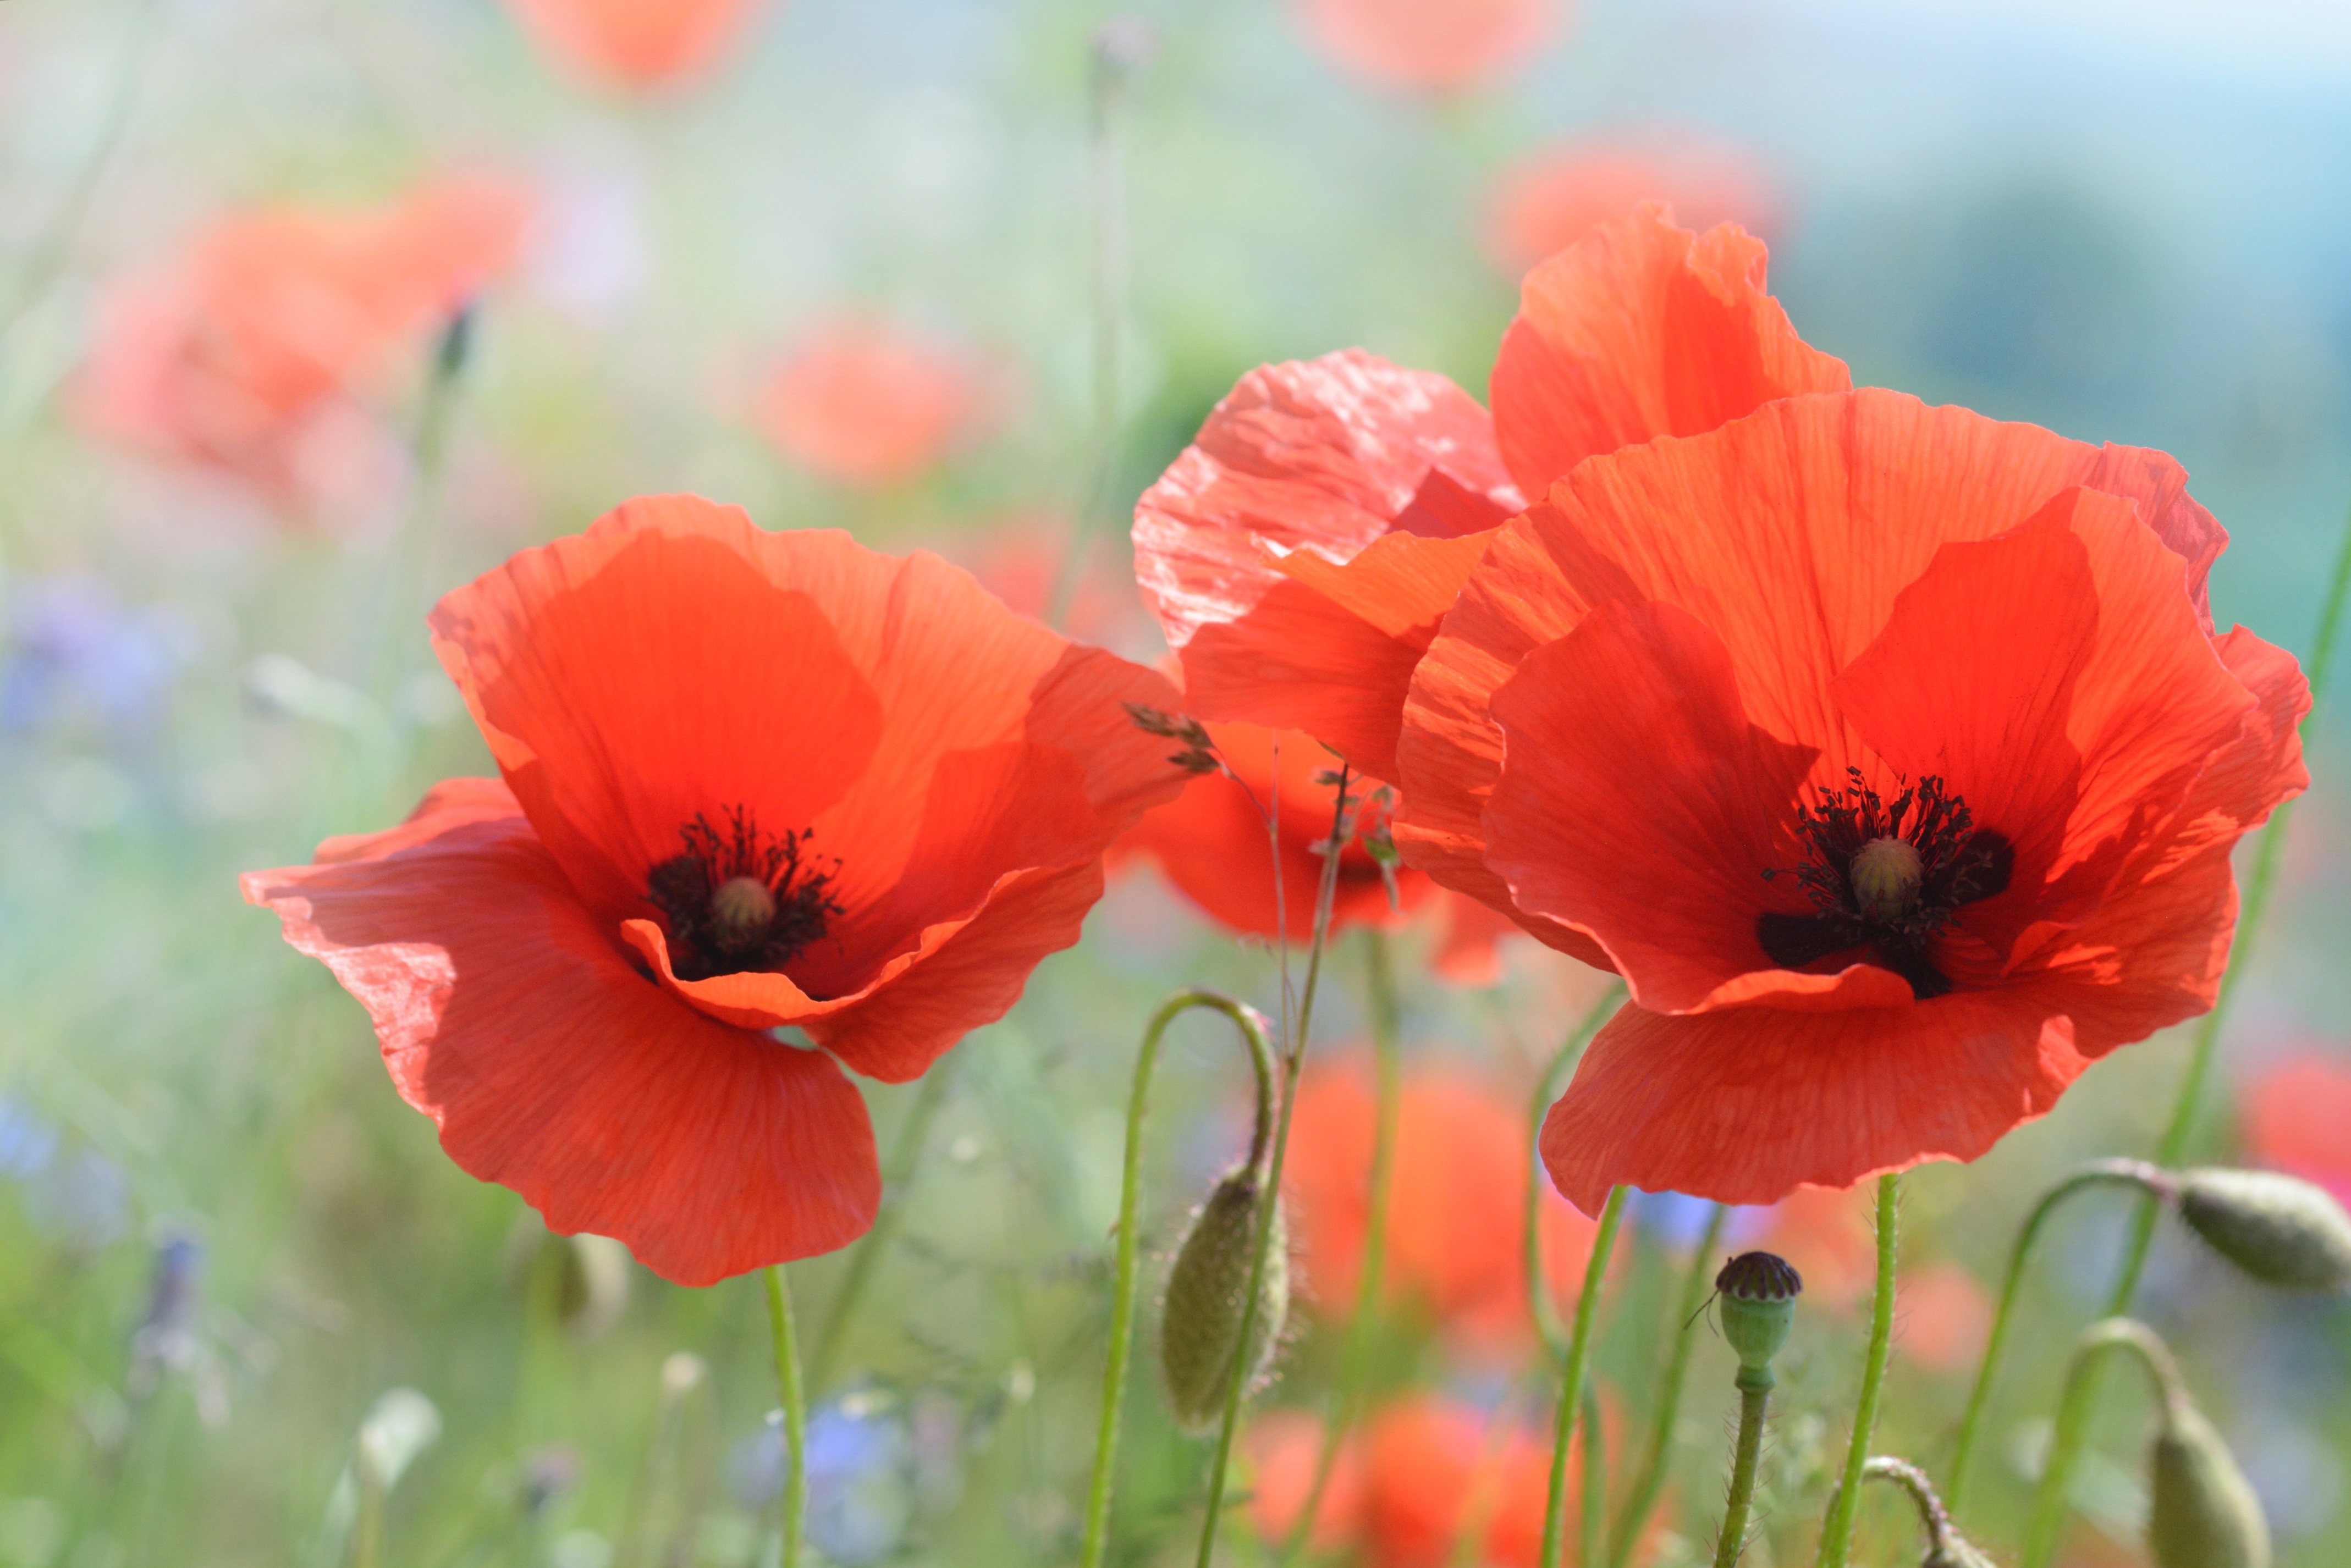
(795, 1411)
(1363, 1316)
(905, 1159)
(407, 582)
(1755, 1384)
(2129, 1172)
(1548, 1328)
(1934, 1516)
(1294, 1061)
(1570, 1383)
(1591, 1507)
(1836, 1534)
(2080, 1398)
(1121, 1313)
(1643, 1498)
(2082, 1377)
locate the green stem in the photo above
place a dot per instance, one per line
(2129, 1172)
(1643, 1495)
(1591, 1507)
(1121, 1319)
(1755, 1384)
(1293, 1061)
(1836, 1535)
(1548, 1328)
(2080, 1396)
(794, 1409)
(905, 1159)
(1363, 1316)
(1570, 1383)
(1933, 1516)
(2082, 1380)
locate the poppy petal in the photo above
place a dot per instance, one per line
(553, 1067)
(1742, 1105)
(1642, 329)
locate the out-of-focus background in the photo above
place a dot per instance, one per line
(847, 263)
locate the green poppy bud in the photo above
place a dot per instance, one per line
(1207, 1292)
(2280, 1230)
(2204, 1514)
(1757, 1293)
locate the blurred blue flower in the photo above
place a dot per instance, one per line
(27, 1142)
(71, 649)
(1680, 1220)
(76, 1194)
(860, 1476)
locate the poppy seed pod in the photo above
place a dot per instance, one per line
(2280, 1230)
(1758, 1292)
(1207, 1294)
(2203, 1512)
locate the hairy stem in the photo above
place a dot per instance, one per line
(1122, 1320)
(1643, 1498)
(1836, 1534)
(1755, 1384)
(794, 1407)
(1570, 1383)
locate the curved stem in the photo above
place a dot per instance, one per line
(795, 1411)
(1547, 1327)
(905, 1157)
(1294, 1061)
(1932, 1515)
(2049, 1506)
(1121, 1319)
(1362, 1315)
(1836, 1534)
(2127, 1172)
(1755, 1384)
(2080, 1396)
(1643, 1495)
(1570, 1383)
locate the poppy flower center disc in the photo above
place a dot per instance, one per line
(1887, 878)
(741, 899)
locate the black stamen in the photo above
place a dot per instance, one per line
(685, 886)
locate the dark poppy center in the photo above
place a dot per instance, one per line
(741, 899)
(1886, 877)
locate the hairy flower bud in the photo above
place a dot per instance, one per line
(2280, 1230)
(1955, 1551)
(1758, 1292)
(1207, 1293)
(2203, 1512)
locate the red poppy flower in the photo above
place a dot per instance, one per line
(1301, 553)
(1422, 1474)
(1886, 751)
(1457, 1197)
(2297, 1119)
(750, 780)
(869, 405)
(1436, 46)
(1946, 1317)
(636, 43)
(239, 354)
(1548, 200)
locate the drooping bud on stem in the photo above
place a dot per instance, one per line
(2282, 1231)
(1208, 1296)
(1946, 1547)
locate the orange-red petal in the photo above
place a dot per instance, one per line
(508, 1015)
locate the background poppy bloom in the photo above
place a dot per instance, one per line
(1884, 750)
(1457, 1197)
(1547, 200)
(1428, 46)
(237, 353)
(750, 780)
(1422, 1473)
(636, 43)
(1301, 553)
(869, 405)
(2297, 1118)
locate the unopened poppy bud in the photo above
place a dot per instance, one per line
(2280, 1230)
(1886, 874)
(1207, 1294)
(581, 1280)
(1757, 1292)
(2202, 1513)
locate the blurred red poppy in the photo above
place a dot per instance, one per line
(1020, 560)
(636, 43)
(1428, 1481)
(1301, 553)
(2297, 1119)
(1885, 751)
(1548, 200)
(1458, 1197)
(1831, 1236)
(1436, 46)
(1946, 1317)
(870, 405)
(242, 353)
(750, 779)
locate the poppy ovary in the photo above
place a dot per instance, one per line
(743, 899)
(1886, 874)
